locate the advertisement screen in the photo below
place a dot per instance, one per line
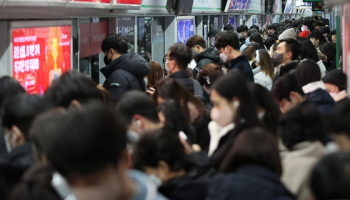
(232, 21)
(92, 1)
(275, 6)
(185, 30)
(288, 6)
(40, 55)
(132, 2)
(239, 4)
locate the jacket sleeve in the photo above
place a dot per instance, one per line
(117, 86)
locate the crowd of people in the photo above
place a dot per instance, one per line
(262, 114)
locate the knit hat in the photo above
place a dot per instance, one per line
(338, 78)
(304, 34)
(274, 27)
(289, 33)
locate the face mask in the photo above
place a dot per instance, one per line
(223, 56)
(167, 69)
(270, 32)
(155, 179)
(333, 95)
(222, 117)
(7, 143)
(277, 58)
(106, 60)
(194, 53)
(146, 81)
(239, 35)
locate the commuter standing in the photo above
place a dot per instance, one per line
(228, 45)
(124, 71)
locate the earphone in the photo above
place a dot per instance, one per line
(138, 122)
(236, 104)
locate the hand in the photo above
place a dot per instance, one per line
(188, 148)
(151, 91)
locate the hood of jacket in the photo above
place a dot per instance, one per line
(319, 97)
(210, 53)
(130, 62)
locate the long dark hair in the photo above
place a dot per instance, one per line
(263, 99)
(170, 89)
(232, 85)
(253, 146)
(175, 119)
(256, 37)
(308, 51)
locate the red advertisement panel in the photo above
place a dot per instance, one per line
(136, 2)
(93, 1)
(98, 32)
(84, 40)
(40, 55)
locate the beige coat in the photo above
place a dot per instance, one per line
(297, 166)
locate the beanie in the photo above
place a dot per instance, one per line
(338, 78)
(289, 33)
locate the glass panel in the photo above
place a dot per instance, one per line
(126, 27)
(144, 39)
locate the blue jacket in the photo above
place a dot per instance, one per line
(322, 100)
(241, 63)
(249, 182)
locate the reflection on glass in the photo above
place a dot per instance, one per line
(144, 38)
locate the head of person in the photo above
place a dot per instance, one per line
(18, 116)
(267, 109)
(288, 92)
(272, 29)
(178, 58)
(333, 36)
(211, 35)
(155, 74)
(232, 101)
(36, 184)
(262, 59)
(269, 42)
(90, 152)
(340, 125)
(287, 50)
(306, 26)
(336, 81)
(295, 25)
(162, 155)
(249, 52)
(171, 115)
(301, 124)
(308, 72)
(229, 27)
(209, 75)
(318, 25)
(227, 44)
(328, 53)
(254, 146)
(316, 38)
(256, 37)
(255, 27)
(197, 45)
(330, 178)
(138, 112)
(242, 30)
(9, 88)
(170, 89)
(71, 89)
(325, 31)
(42, 130)
(308, 51)
(252, 31)
(273, 49)
(114, 46)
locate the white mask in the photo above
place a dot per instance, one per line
(167, 69)
(224, 116)
(7, 143)
(223, 56)
(146, 81)
(303, 29)
(333, 95)
(155, 179)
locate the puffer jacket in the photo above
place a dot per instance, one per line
(124, 74)
(210, 55)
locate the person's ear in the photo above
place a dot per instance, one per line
(198, 48)
(18, 133)
(138, 119)
(163, 170)
(74, 105)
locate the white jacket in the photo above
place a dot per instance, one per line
(321, 66)
(297, 165)
(264, 80)
(216, 133)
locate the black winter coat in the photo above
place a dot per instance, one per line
(12, 167)
(248, 182)
(210, 55)
(241, 63)
(124, 74)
